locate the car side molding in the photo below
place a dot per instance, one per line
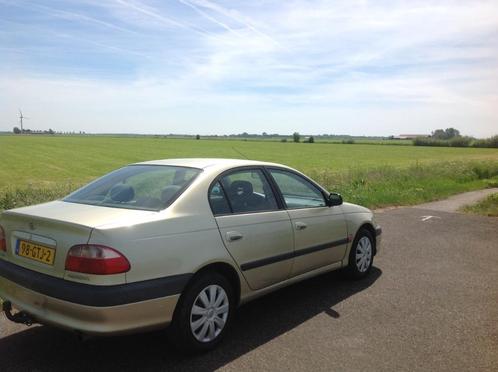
(286, 256)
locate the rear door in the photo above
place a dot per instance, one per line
(320, 232)
(255, 229)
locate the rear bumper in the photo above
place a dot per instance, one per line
(91, 309)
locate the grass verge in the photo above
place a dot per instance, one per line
(15, 197)
(487, 207)
(373, 188)
(389, 186)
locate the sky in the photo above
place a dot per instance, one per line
(374, 68)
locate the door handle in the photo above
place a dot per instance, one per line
(233, 236)
(300, 225)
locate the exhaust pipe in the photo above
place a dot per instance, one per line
(20, 317)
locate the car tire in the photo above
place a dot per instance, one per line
(361, 255)
(203, 313)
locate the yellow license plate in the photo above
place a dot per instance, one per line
(36, 252)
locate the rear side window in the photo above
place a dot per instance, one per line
(244, 191)
(218, 200)
(297, 191)
(147, 187)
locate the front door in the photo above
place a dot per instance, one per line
(255, 231)
(320, 232)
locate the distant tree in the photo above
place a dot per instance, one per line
(452, 133)
(460, 141)
(445, 134)
(311, 139)
(17, 130)
(296, 137)
(488, 142)
(493, 141)
(50, 131)
(439, 134)
(197, 137)
(283, 140)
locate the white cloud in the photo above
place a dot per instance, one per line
(312, 66)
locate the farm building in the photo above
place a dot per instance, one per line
(410, 136)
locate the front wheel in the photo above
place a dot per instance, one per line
(361, 255)
(203, 313)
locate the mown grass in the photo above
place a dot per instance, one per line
(41, 161)
(487, 207)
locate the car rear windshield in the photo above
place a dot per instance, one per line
(146, 187)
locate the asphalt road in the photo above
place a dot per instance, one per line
(430, 304)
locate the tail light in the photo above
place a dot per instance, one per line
(96, 259)
(3, 240)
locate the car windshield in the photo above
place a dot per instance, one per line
(146, 187)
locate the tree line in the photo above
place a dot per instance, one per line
(451, 137)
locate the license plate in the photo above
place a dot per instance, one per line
(36, 252)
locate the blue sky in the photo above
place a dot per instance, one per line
(220, 67)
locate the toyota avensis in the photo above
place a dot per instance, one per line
(177, 241)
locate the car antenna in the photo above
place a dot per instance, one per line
(241, 154)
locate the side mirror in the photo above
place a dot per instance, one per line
(334, 199)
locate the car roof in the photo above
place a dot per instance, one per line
(204, 163)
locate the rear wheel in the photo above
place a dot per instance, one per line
(361, 255)
(203, 313)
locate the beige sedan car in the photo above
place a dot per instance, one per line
(178, 242)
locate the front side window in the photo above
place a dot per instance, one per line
(248, 191)
(297, 191)
(146, 187)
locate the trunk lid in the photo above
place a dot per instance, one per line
(57, 226)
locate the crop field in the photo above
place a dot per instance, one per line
(39, 168)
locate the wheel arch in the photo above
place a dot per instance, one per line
(371, 229)
(225, 269)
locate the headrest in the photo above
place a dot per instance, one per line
(168, 192)
(241, 188)
(122, 193)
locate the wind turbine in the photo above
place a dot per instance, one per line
(21, 117)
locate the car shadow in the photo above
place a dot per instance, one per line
(44, 348)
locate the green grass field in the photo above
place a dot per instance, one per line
(37, 168)
(43, 160)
